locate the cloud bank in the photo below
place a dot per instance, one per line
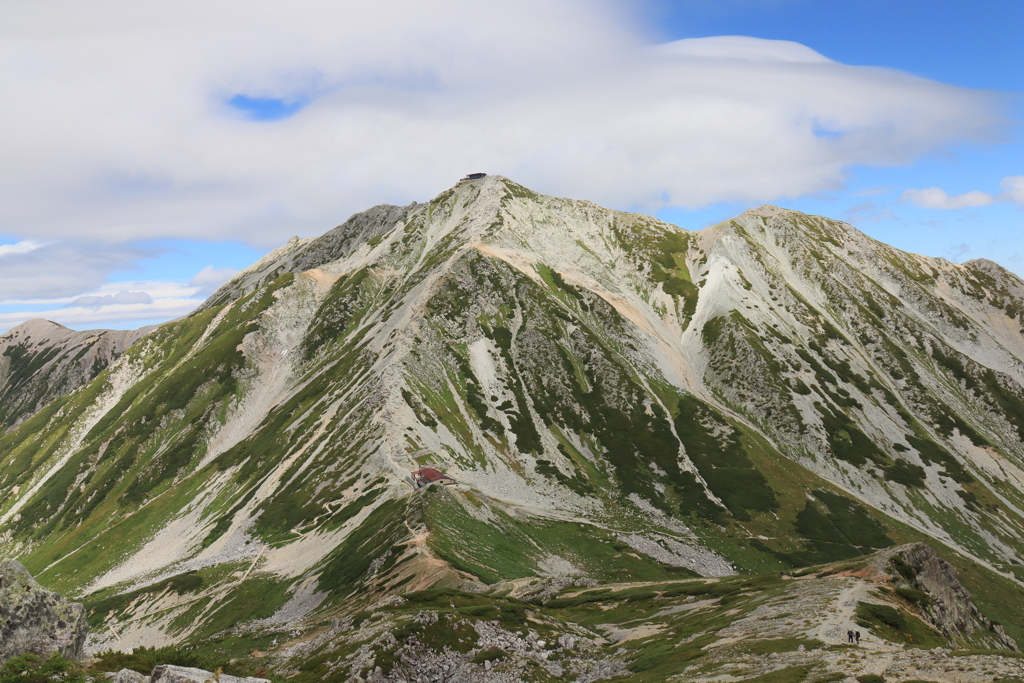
(937, 198)
(122, 120)
(119, 305)
(64, 268)
(123, 297)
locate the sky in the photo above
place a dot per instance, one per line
(152, 150)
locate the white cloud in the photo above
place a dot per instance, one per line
(869, 212)
(115, 126)
(65, 268)
(1013, 189)
(957, 252)
(23, 247)
(119, 305)
(937, 198)
(207, 280)
(122, 298)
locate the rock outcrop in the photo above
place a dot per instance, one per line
(167, 673)
(300, 255)
(949, 606)
(33, 619)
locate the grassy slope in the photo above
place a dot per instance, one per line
(569, 377)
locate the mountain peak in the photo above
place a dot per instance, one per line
(768, 210)
(36, 327)
(618, 400)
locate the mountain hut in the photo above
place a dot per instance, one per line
(428, 475)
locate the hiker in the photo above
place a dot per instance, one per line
(856, 634)
(849, 636)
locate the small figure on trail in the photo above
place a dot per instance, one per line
(856, 634)
(849, 636)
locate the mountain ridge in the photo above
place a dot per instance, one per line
(41, 360)
(617, 398)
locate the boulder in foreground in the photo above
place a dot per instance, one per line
(33, 619)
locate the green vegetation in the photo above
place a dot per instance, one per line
(931, 452)
(914, 596)
(847, 441)
(34, 668)
(905, 473)
(143, 659)
(373, 540)
(338, 312)
(189, 582)
(898, 627)
(836, 528)
(510, 547)
(714, 447)
(790, 674)
(903, 568)
(870, 678)
(521, 422)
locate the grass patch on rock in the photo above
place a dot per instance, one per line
(898, 627)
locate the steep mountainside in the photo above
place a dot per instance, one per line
(41, 360)
(619, 400)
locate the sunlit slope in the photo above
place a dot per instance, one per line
(895, 375)
(620, 400)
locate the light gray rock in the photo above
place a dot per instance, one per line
(33, 619)
(129, 676)
(299, 255)
(167, 673)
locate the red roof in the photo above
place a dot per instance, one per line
(430, 474)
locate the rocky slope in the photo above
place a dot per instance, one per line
(41, 360)
(784, 628)
(619, 400)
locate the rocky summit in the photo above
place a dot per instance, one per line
(656, 424)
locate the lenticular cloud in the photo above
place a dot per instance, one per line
(118, 121)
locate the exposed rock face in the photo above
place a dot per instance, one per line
(129, 676)
(300, 255)
(613, 394)
(41, 360)
(951, 610)
(167, 673)
(33, 619)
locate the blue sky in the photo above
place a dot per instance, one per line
(130, 188)
(974, 45)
